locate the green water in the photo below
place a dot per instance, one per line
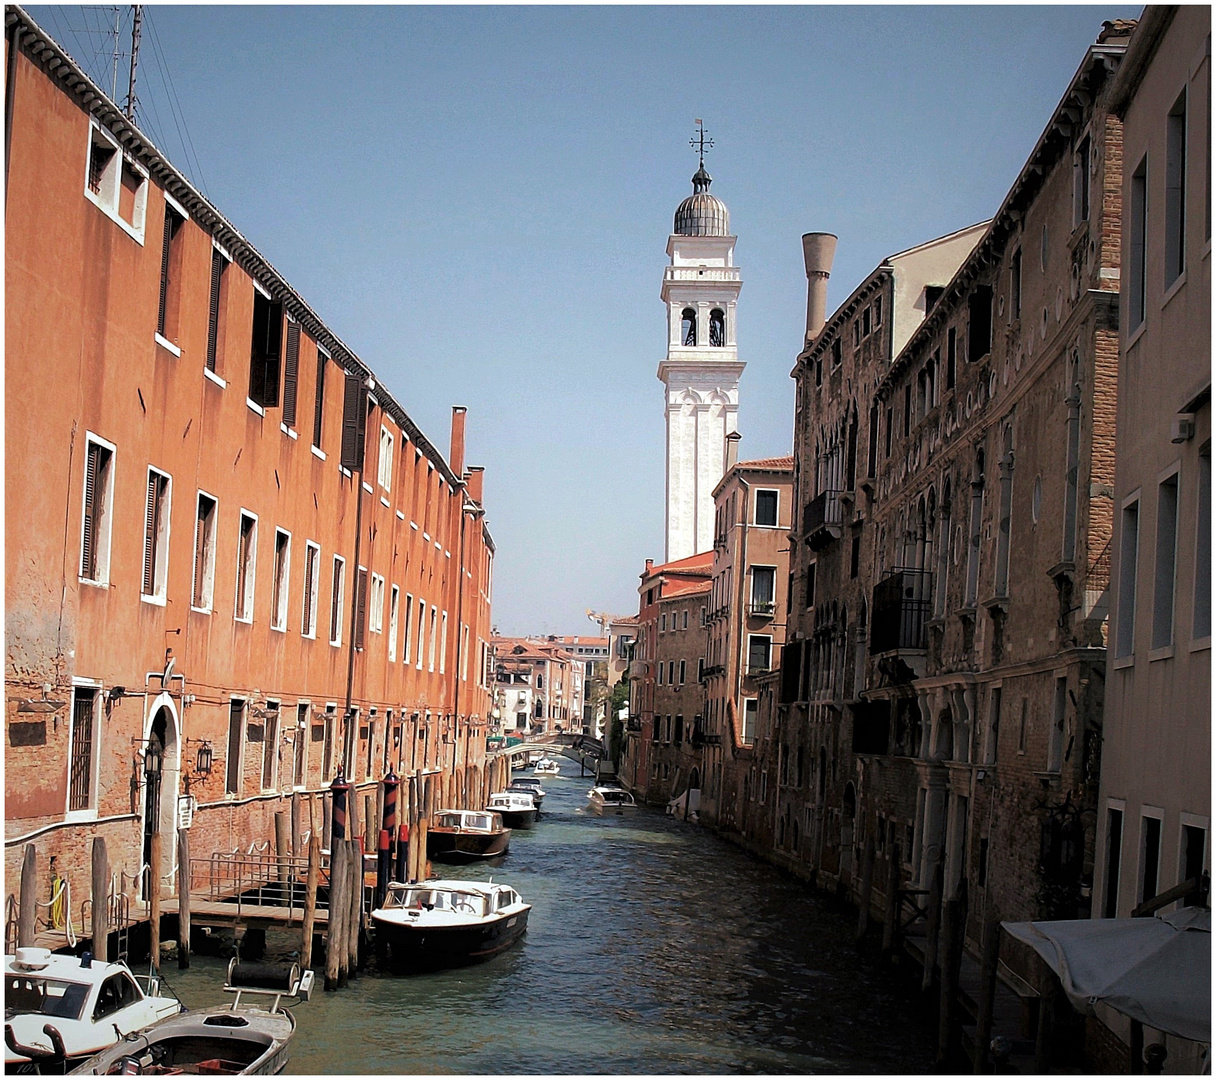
(653, 947)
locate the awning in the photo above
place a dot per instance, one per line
(1156, 970)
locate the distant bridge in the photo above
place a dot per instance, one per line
(581, 748)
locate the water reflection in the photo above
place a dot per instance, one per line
(652, 947)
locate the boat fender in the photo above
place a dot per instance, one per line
(282, 977)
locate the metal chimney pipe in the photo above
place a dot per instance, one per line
(818, 251)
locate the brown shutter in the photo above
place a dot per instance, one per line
(318, 411)
(213, 314)
(310, 561)
(88, 541)
(354, 419)
(335, 614)
(291, 374)
(164, 271)
(199, 531)
(361, 609)
(150, 524)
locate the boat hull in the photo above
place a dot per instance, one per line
(518, 819)
(448, 846)
(429, 948)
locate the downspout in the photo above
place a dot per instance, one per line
(459, 636)
(348, 749)
(10, 94)
(741, 622)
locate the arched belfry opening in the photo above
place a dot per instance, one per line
(717, 328)
(688, 327)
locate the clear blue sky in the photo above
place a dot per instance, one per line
(478, 201)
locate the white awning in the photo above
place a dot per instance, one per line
(1155, 970)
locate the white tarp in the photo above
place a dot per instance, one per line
(1155, 970)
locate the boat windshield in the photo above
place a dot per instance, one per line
(438, 900)
(24, 994)
(616, 796)
(479, 821)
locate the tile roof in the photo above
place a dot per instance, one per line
(768, 463)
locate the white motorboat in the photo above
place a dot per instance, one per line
(239, 1039)
(607, 801)
(60, 1010)
(517, 808)
(459, 836)
(530, 785)
(435, 924)
(547, 767)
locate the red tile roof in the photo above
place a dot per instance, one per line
(768, 463)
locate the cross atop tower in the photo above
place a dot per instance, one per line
(699, 142)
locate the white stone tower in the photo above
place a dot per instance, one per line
(701, 370)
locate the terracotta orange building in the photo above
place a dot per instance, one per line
(234, 564)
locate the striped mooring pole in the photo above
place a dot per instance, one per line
(384, 852)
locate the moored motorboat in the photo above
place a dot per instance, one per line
(606, 801)
(227, 1040)
(458, 836)
(434, 924)
(529, 785)
(547, 767)
(517, 808)
(61, 1010)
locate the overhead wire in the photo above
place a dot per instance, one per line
(177, 110)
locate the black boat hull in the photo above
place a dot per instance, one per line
(518, 819)
(462, 847)
(427, 948)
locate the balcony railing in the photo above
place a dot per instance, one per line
(762, 609)
(823, 518)
(903, 605)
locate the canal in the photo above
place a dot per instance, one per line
(652, 947)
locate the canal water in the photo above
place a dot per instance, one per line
(652, 947)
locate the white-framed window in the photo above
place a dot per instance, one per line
(767, 501)
(84, 744)
(464, 653)
(1136, 276)
(406, 643)
(117, 185)
(376, 614)
(1165, 561)
(430, 664)
(156, 536)
(682, 669)
(393, 603)
(421, 631)
(312, 588)
(764, 589)
(751, 709)
(270, 747)
(246, 566)
(282, 576)
(1149, 877)
(1192, 850)
(234, 764)
(1201, 618)
(299, 773)
(759, 653)
(384, 469)
(1175, 191)
(203, 589)
(1129, 540)
(443, 642)
(98, 510)
(337, 595)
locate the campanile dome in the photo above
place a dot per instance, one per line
(702, 214)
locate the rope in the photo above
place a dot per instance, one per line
(64, 887)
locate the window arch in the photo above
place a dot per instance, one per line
(688, 326)
(717, 327)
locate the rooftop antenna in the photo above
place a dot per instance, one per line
(117, 51)
(699, 142)
(137, 17)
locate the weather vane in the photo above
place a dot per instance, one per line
(699, 142)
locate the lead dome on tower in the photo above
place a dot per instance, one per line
(702, 214)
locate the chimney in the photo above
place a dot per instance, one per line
(649, 566)
(732, 449)
(474, 482)
(818, 251)
(456, 456)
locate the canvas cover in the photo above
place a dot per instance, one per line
(1155, 970)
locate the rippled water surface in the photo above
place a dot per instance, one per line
(652, 947)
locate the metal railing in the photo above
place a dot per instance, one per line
(252, 881)
(903, 602)
(823, 511)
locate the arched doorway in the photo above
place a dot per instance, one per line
(161, 753)
(694, 781)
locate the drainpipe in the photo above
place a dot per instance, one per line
(741, 621)
(348, 749)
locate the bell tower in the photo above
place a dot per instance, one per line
(700, 373)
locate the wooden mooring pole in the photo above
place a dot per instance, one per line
(890, 924)
(281, 844)
(867, 890)
(310, 893)
(989, 958)
(354, 923)
(154, 845)
(27, 913)
(933, 921)
(335, 945)
(183, 898)
(101, 900)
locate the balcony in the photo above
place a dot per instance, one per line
(639, 669)
(903, 603)
(823, 519)
(761, 609)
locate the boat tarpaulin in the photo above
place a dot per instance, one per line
(1156, 970)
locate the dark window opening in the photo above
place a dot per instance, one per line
(1015, 286)
(218, 265)
(766, 508)
(264, 353)
(837, 352)
(688, 326)
(933, 293)
(236, 719)
(951, 356)
(1114, 848)
(979, 323)
(170, 276)
(717, 328)
(855, 557)
(354, 423)
(1194, 840)
(1175, 191)
(872, 459)
(318, 414)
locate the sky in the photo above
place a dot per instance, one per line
(477, 200)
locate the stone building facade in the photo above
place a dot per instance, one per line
(1154, 810)
(241, 566)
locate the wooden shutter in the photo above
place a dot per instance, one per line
(361, 609)
(291, 374)
(335, 600)
(310, 566)
(92, 496)
(354, 419)
(164, 272)
(319, 407)
(151, 516)
(200, 553)
(213, 314)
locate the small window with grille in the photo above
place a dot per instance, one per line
(81, 786)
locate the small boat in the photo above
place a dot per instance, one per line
(547, 767)
(530, 785)
(517, 808)
(435, 924)
(606, 801)
(61, 1010)
(458, 836)
(225, 1040)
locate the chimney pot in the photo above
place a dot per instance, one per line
(475, 477)
(732, 449)
(456, 456)
(818, 251)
